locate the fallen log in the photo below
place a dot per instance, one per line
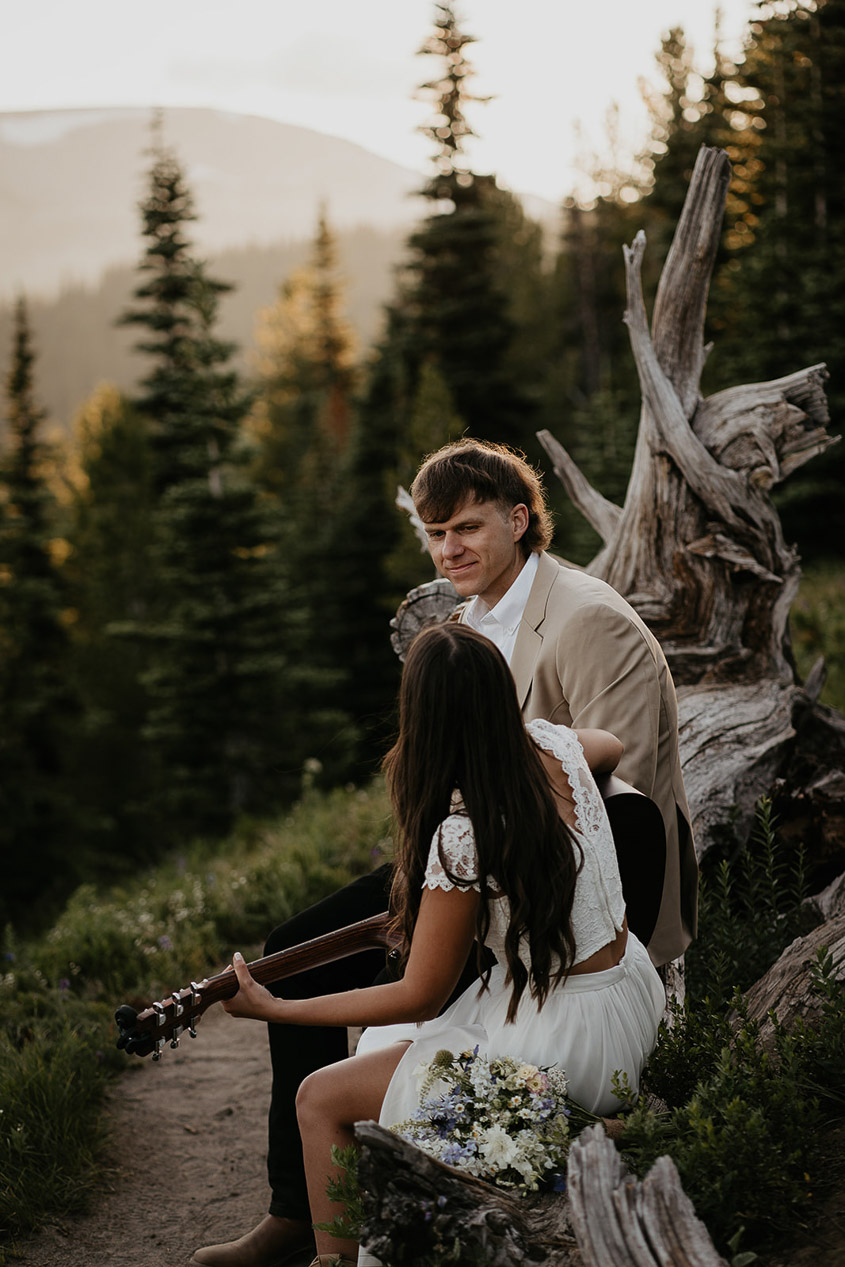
(418, 1211)
(785, 990)
(416, 1208)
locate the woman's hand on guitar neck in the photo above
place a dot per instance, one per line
(252, 1000)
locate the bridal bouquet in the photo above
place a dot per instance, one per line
(500, 1120)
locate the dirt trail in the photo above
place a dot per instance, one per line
(190, 1139)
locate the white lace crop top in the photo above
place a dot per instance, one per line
(598, 907)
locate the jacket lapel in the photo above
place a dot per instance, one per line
(528, 640)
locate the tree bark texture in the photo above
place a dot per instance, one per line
(785, 988)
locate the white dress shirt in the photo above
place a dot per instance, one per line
(501, 623)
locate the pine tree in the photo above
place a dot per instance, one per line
(38, 841)
(305, 382)
(223, 672)
(453, 297)
(110, 570)
(360, 593)
(302, 420)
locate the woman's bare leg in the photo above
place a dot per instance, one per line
(329, 1103)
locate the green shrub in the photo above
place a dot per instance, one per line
(741, 1137)
(55, 1059)
(750, 908)
(741, 1123)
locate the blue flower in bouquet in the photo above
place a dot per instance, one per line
(500, 1119)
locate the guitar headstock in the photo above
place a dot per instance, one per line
(163, 1022)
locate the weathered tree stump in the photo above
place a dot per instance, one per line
(697, 547)
(620, 1222)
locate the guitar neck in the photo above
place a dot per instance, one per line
(374, 933)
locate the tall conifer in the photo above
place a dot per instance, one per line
(111, 572)
(38, 841)
(222, 719)
(780, 293)
(454, 298)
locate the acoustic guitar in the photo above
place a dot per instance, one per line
(640, 841)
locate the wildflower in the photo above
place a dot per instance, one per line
(498, 1148)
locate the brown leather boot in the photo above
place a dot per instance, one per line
(274, 1242)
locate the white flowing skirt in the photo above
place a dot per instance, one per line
(594, 1025)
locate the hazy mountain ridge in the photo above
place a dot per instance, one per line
(70, 182)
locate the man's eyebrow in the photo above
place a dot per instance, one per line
(462, 523)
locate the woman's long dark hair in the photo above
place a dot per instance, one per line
(460, 729)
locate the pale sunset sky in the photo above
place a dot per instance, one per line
(348, 68)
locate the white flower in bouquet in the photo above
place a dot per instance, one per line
(502, 1120)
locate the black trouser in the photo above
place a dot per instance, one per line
(297, 1050)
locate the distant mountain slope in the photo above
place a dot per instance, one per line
(78, 345)
(70, 181)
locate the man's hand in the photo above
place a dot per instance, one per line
(251, 1000)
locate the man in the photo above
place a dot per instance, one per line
(579, 655)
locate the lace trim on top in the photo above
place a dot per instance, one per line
(564, 744)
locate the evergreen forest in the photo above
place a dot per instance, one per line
(196, 583)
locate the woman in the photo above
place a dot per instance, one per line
(502, 840)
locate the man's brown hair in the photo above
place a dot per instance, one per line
(486, 472)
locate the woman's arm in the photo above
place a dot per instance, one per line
(443, 936)
(602, 750)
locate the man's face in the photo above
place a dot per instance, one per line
(478, 548)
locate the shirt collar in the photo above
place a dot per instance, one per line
(509, 610)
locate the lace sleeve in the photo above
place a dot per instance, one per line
(563, 743)
(454, 837)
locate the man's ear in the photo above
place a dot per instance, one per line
(519, 520)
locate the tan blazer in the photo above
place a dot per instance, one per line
(584, 658)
